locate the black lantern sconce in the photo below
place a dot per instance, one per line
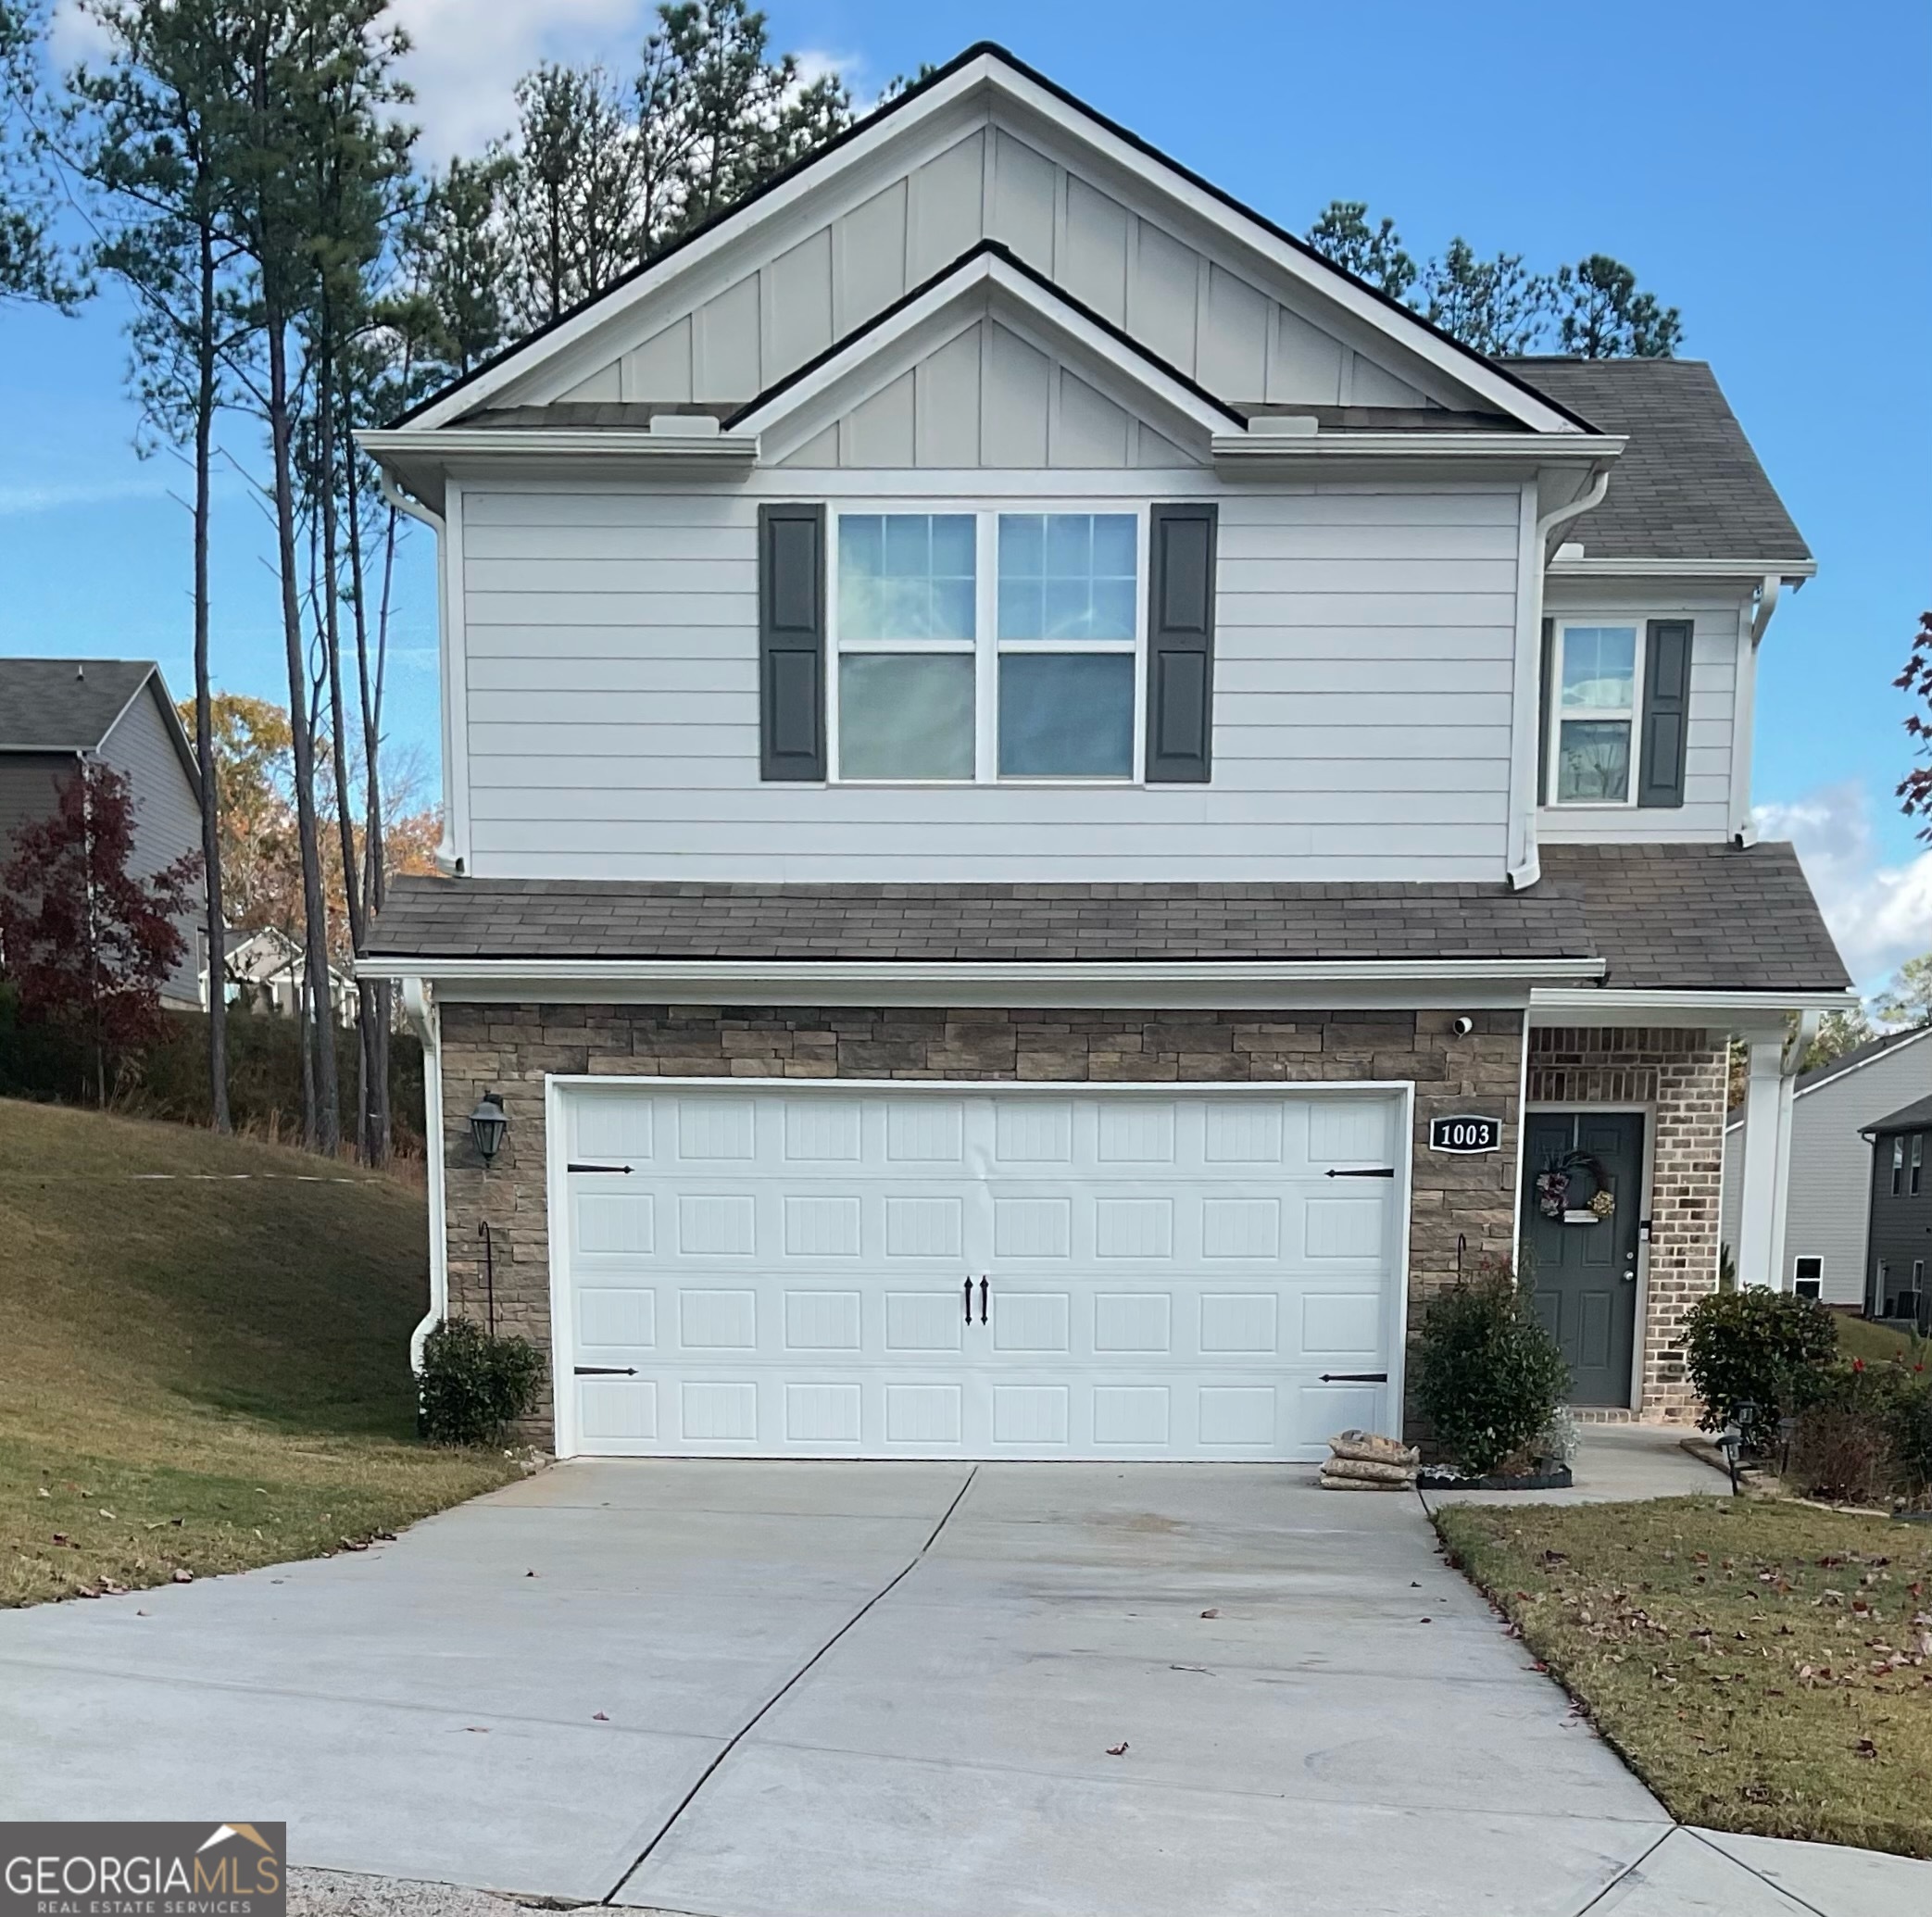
(489, 1124)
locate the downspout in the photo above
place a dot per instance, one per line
(1743, 831)
(1526, 867)
(416, 509)
(419, 1009)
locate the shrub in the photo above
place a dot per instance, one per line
(1769, 1348)
(1844, 1453)
(1488, 1376)
(474, 1386)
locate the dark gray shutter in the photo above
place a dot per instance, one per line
(791, 641)
(1544, 702)
(1181, 645)
(1666, 712)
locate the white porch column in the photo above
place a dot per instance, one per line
(1767, 1156)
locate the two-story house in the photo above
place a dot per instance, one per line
(1057, 812)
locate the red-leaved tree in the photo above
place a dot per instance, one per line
(1915, 787)
(86, 943)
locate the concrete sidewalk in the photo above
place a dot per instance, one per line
(1615, 1463)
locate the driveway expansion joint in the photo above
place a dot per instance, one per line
(752, 1723)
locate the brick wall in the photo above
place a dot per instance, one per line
(1680, 1076)
(509, 1048)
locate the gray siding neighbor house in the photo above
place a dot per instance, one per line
(1055, 813)
(56, 713)
(1900, 1230)
(1827, 1194)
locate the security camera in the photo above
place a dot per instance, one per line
(1463, 1027)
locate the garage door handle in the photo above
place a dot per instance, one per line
(605, 1370)
(1355, 1377)
(983, 1301)
(969, 1301)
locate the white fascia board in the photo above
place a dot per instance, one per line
(1753, 569)
(1329, 445)
(1762, 1012)
(694, 451)
(982, 285)
(1259, 984)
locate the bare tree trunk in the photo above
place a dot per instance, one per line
(204, 394)
(376, 1105)
(321, 1114)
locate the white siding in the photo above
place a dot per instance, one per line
(1112, 247)
(1831, 1165)
(1706, 811)
(167, 817)
(1363, 670)
(988, 398)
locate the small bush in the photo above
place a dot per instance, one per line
(1488, 1376)
(1768, 1349)
(1844, 1454)
(476, 1386)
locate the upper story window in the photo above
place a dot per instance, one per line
(1898, 1165)
(1596, 694)
(986, 644)
(1918, 1160)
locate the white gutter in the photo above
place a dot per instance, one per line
(795, 975)
(1526, 865)
(1285, 448)
(420, 1009)
(1684, 1006)
(1751, 633)
(1586, 566)
(601, 443)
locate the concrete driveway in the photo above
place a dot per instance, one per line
(792, 1690)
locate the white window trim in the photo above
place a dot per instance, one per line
(1553, 709)
(986, 645)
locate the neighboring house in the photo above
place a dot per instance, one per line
(1900, 1230)
(1827, 1194)
(54, 714)
(1056, 812)
(265, 969)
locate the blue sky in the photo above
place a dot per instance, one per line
(1756, 163)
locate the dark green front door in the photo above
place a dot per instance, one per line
(1585, 1273)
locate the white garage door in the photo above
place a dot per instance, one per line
(978, 1273)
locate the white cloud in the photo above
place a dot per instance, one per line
(466, 57)
(52, 496)
(1881, 915)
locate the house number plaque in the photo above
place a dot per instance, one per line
(1465, 1133)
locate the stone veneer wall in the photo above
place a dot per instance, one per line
(510, 1049)
(1681, 1076)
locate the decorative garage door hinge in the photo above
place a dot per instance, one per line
(1355, 1377)
(1374, 1171)
(605, 1370)
(597, 1168)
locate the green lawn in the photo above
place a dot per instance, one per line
(205, 1358)
(1877, 1343)
(1763, 1667)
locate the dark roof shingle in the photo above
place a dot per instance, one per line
(1692, 916)
(65, 705)
(1687, 486)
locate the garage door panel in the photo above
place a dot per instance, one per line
(787, 1271)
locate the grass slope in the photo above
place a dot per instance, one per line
(1877, 1343)
(1763, 1667)
(204, 1363)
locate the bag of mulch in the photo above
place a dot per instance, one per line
(1372, 1449)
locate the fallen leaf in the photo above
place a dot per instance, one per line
(184, 1577)
(1428, 1621)
(600, 1717)
(354, 1544)
(105, 1511)
(1205, 1613)
(1865, 1748)
(45, 1492)
(1119, 1749)
(140, 1613)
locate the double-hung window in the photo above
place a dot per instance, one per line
(975, 646)
(1595, 696)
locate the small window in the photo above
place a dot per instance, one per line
(1918, 1160)
(1808, 1276)
(1597, 674)
(1897, 1166)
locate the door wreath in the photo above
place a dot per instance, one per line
(1572, 1182)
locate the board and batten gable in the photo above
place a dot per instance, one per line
(755, 312)
(1717, 772)
(607, 722)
